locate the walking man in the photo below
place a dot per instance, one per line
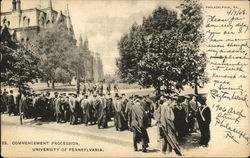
(167, 128)
(138, 117)
(204, 119)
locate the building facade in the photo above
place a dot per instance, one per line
(93, 64)
(23, 24)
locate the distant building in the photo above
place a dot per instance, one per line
(26, 23)
(23, 24)
(93, 64)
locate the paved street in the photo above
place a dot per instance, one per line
(108, 142)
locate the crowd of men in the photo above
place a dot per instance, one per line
(91, 88)
(175, 116)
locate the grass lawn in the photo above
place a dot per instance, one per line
(128, 89)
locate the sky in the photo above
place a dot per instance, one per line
(103, 22)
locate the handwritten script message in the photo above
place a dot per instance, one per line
(227, 46)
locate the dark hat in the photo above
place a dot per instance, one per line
(167, 97)
(203, 100)
(116, 95)
(139, 97)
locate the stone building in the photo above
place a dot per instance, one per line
(93, 64)
(23, 24)
(26, 23)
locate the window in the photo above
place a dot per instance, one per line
(28, 21)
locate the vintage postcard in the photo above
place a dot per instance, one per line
(124, 78)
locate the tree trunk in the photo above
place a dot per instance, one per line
(53, 84)
(47, 83)
(77, 83)
(196, 89)
(20, 90)
(158, 90)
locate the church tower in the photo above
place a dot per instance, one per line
(80, 41)
(49, 4)
(50, 18)
(86, 44)
(68, 22)
(18, 5)
(13, 5)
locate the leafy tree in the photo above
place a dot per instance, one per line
(63, 76)
(131, 51)
(160, 20)
(190, 35)
(161, 52)
(19, 66)
(51, 46)
(76, 64)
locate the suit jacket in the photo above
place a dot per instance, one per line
(72, 104)
(11, 100)
(85, 105)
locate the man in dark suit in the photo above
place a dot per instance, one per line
(168, 132)
(186, 107)
(4, 102)
(204, 119)
(11, 103)
(103, 109)
(138, 126)
(179, 120)
(18, 98)
(110, 109)
(96, 103)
